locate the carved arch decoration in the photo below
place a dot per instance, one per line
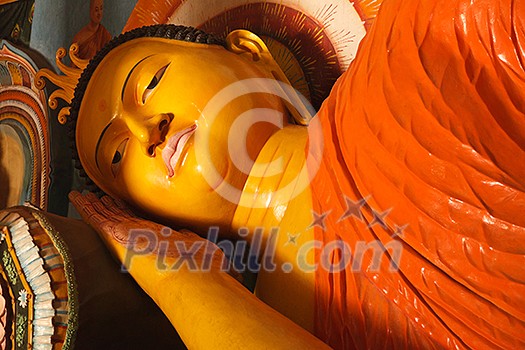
(23, 120)
(314, 41)
(34, 161)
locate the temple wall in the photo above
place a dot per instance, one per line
(68, 17)
(55, 23)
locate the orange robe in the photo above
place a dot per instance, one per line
(90, 42)
(429, 123)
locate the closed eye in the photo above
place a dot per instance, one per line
(117, 157)
(153, 83)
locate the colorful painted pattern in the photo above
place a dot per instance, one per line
(24, 108)
(36, 277)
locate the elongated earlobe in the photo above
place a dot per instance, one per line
(250, 46)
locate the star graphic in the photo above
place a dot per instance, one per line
(398, 230)
(292, 239)
(319, 220)
(353, 209)
(379, 218)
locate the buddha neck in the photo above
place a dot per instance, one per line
(277, 190)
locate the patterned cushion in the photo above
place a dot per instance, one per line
(60, 288)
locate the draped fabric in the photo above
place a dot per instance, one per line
(90, 42)
(428, 126)
(16, 19)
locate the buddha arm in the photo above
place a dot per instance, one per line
(209, 309)
(213, 311)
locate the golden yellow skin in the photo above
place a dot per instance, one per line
(440, 145)
(292, 293)
(194, 74)
(135, 120)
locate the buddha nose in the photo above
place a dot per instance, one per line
(151, 132)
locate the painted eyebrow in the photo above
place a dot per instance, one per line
(129, 75)
(98, 143)
(122, 98)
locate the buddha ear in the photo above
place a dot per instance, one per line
(249, 45)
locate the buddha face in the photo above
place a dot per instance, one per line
(141, 114)
(96, 10)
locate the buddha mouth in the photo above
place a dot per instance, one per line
(171, 154)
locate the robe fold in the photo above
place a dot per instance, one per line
(90, 42)
(428, 128)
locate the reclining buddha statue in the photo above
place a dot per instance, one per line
(393, 218)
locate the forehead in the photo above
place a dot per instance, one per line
(103, 92)
(104, 89)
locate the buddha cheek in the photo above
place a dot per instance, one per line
(190, 177)
(141, 176)
(212, 175)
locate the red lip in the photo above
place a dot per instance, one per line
(171, 154)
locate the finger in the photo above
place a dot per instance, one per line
(84, 205)
(77, 199)
(79, 202)
(99, 207)
(109, 215)
(124, 207)
(90, 196)
(111, 204)
(73, 195)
